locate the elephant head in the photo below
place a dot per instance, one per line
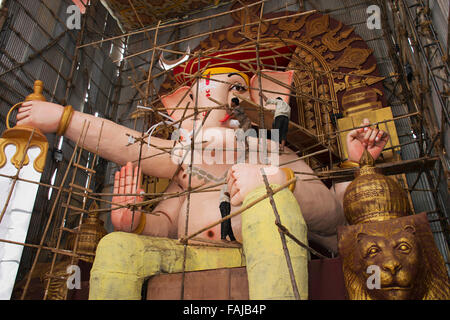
(221, 78)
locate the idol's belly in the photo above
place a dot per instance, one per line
(204, 211)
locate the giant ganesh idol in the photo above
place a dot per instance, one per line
(147, 244)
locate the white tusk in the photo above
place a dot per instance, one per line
(170, 64)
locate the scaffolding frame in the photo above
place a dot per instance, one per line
(432, 154)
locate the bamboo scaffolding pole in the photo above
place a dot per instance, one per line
(66, 208)
(282, 236)
(91, 172)
(149, 83)
(51, 216)
(54, 250)
(258, 69)
(188, 206)
(238, 212)
(334, 134)
(304, 157)
(93, 195)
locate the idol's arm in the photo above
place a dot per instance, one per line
(115, 145)
(320, 206)
(339, 190)
(114, 139)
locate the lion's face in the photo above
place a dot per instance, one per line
(398, 259)
(410, 264)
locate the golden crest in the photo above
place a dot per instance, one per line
(352, 57)
(19, 136)
(333, 43)
(292, 24)
(317, 26)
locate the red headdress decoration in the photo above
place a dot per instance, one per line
(243, 59)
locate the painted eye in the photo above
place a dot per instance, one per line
(373, 251)
(238, 87)
(404, 247)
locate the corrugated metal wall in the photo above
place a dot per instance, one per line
(35, 43)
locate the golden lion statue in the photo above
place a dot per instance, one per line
(410, 265)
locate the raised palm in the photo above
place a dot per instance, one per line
(126, 182)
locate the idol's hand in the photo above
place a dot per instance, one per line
(372, 139)
(126, 181)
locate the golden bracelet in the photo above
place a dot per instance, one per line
(141, 225)
(65, 120)
(349, 164)
(289, 175)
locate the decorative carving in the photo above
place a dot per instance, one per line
(244, 18)
(333, 43)
(231, 37)
(352, 57)
(358, 78)
(317, 26)
(293, 24)
(151, 11)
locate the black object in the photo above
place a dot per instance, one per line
(225, 226)
(409, 72)
(281, 123)
(58, 155)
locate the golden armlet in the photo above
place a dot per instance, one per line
(65, 120)
(289, 175)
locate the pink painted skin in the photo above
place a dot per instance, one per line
(372, 139)
(127, 180)
(321, 207)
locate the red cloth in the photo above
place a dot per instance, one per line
(226, 118)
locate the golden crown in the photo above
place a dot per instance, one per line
(373, 197)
